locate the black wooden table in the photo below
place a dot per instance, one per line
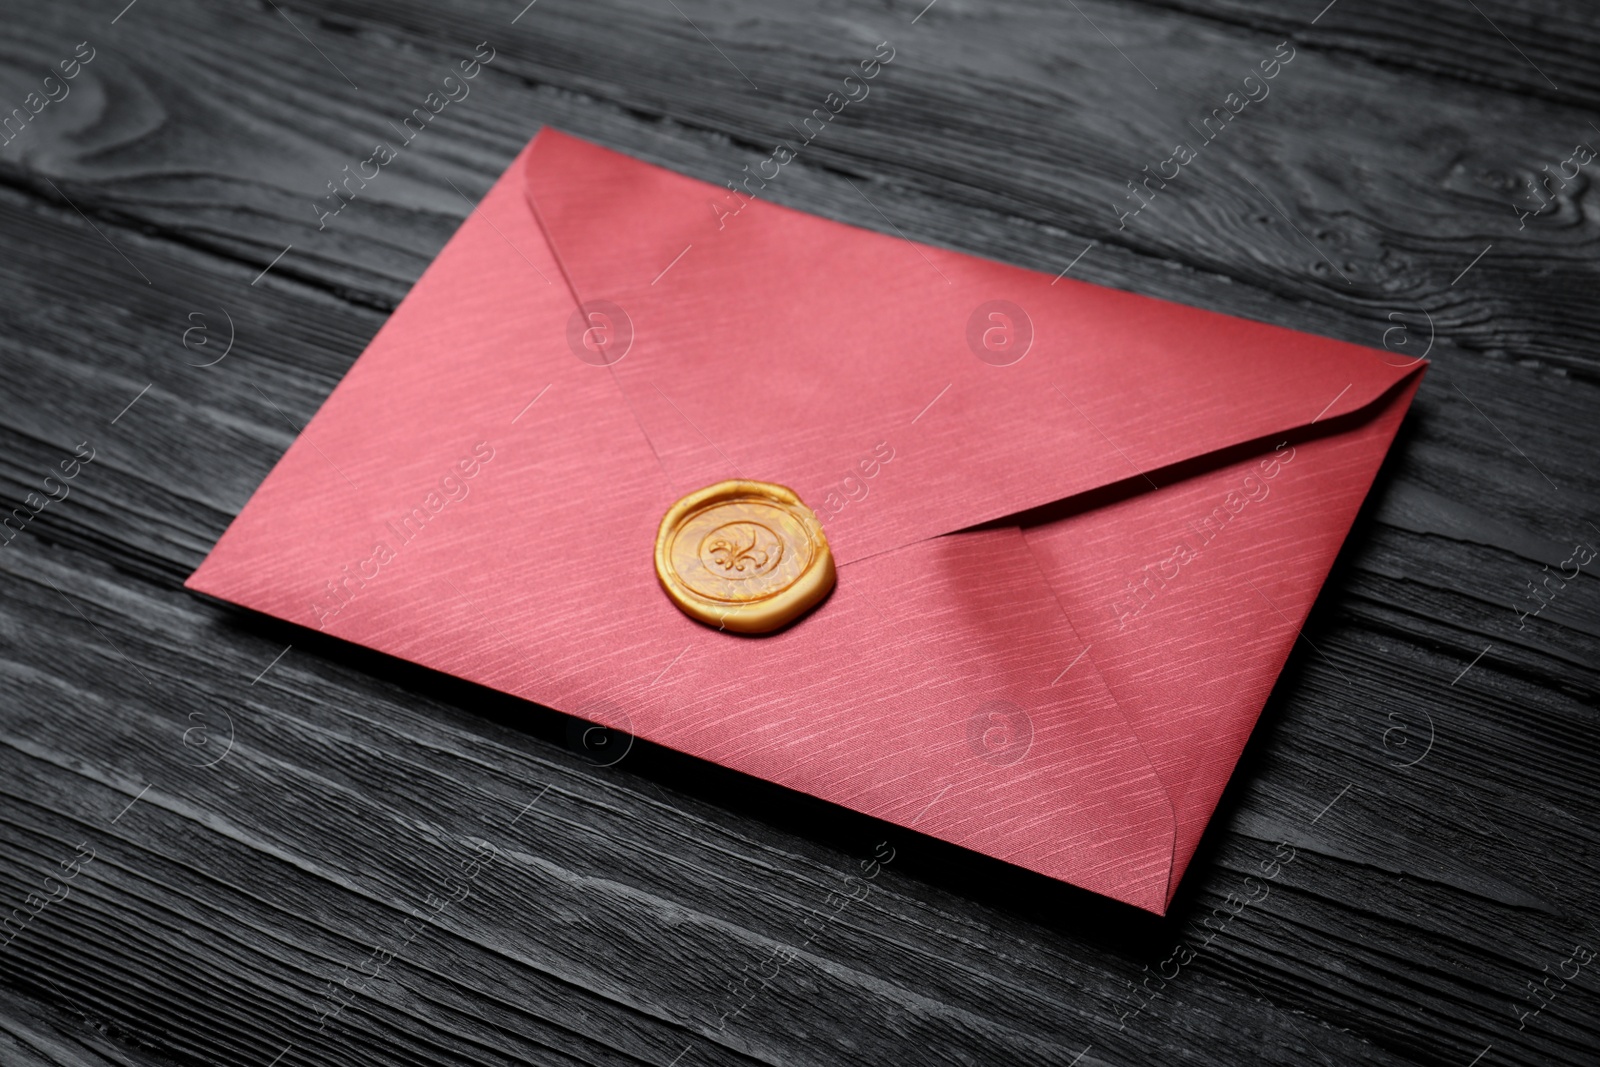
(210, 821)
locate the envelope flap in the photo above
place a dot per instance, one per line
(905, 391)
(474, 499)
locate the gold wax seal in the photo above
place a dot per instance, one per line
(743, 556)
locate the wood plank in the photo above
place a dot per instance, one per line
(1534, 48)
(1035, 151)
(629, 908)
(231, 894)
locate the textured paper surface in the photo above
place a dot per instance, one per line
(992, 687)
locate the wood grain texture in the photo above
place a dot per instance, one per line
(628, 914)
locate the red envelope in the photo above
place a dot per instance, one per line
(1077, 529)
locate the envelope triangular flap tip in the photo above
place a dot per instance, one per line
(789, 345)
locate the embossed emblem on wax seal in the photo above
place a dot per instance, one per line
(743, 556)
